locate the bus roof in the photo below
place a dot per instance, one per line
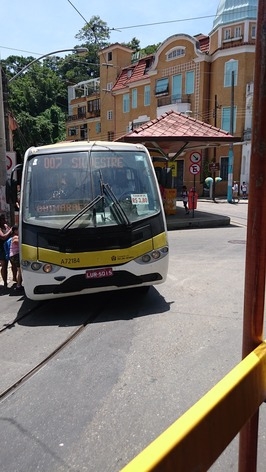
(67, 146)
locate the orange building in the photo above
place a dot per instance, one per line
(206, 77)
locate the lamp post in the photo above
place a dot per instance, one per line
(3, 173)
(77, 51)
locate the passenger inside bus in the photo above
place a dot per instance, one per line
(122, 184)
(66, 186)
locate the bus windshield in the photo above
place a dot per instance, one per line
(99, 187)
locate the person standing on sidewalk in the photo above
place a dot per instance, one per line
(14, 255)
(5, 232)
(244, 190)
(235, 192)
(7, 251)
(185, 198)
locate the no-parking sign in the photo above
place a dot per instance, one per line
(11, 161)
(194, 169)
(195, 157)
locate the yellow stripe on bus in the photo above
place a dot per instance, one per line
(109, 257)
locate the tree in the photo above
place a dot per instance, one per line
(38, 98)
(38, 101)
(95, 32)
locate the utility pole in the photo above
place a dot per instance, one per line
(214, 150)
(3, 174)
(231, 152)
(255, 270)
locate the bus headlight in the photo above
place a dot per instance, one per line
(36, 265)
(146, 258)
(152, 255)
(155, 254)
(47, 268)
(24, 263)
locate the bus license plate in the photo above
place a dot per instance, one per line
(98, 273)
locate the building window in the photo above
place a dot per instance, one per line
(227, 34)
(110, 135)
(224, 168)
(226, 119)
(126, 103)
(229, 67)
(253, 31)
(190, 80)
(177, 88)
(81, 112)
(147, 95)
(109, 114)
(175, 53)
(109, 56)
(134, 98)
(162, 86)
(238, 32)
(93, 105)
(83, 132)
(72, 131)
(98, 128)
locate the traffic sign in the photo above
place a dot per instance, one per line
(195, 157)
(194, 169)
(214, 166)
(10, 162)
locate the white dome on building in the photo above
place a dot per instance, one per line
(231, 11)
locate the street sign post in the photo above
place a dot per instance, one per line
(195, 169)
(195, 157)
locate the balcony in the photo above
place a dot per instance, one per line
(179, 103)
(172, 99)
(79, 116)
(84, 116)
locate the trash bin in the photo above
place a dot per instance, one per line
(192, 199)
(170, 201)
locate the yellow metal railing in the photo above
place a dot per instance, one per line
(198, 437)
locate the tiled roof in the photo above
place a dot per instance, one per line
(131, 74)
(204, 42)
(177, 124)
(172, 130)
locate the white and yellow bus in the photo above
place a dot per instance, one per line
(91, 219)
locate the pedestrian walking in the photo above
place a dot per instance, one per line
(5, 232)
(235, 192)
(185, 199)
(244, 190)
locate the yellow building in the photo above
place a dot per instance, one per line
(209, 78)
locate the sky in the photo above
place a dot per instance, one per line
(38, 27)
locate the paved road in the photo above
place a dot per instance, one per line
(237, 212)
(133, 371)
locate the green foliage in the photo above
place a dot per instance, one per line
(38, 97)
(38, 100)
(95, 32)
(151, 49)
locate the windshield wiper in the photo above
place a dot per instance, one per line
(117, 210)
(81, 212)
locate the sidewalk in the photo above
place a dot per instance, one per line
(195, 219)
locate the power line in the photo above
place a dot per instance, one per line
(78, 11)
(163, 22)
(21, 50)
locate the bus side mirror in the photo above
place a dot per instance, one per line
(11, 192)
